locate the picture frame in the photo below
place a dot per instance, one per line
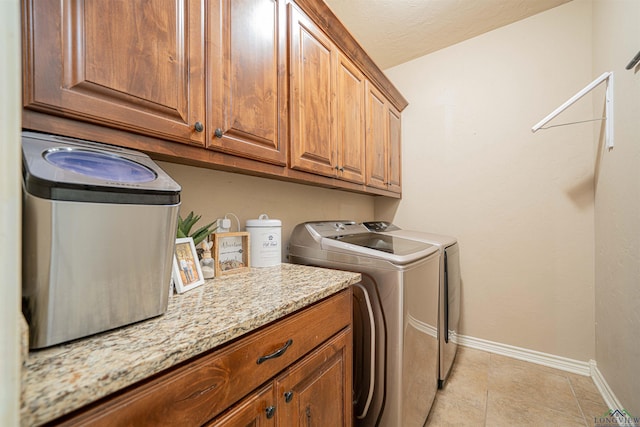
(187, 273)
(231, 252)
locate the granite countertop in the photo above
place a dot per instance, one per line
(60, 379)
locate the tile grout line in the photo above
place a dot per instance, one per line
(584, 418)
(486, 400)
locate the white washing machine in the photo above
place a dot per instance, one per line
(449, 289)
(395, 316)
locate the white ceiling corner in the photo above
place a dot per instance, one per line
(397, 31)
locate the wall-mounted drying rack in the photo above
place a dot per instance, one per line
(608, 77)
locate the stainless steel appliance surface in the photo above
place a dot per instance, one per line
(395, 316)
(99, 227)
(449, 289)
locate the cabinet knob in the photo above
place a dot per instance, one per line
(288, 396)
(341, 169)
(198, 127)
(218, 133)
(271, 410)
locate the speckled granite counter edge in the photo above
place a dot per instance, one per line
(63, 378)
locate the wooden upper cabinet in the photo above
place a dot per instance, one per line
(350, 120)
(377, 154)
(247, 78)
(312, 56)
(383, 142)
(395, 145)
(134, 65)
(327, 105)
(276, 88)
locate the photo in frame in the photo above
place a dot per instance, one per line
(186, 268)
(231, 252)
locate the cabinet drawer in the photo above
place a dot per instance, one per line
(197, 392)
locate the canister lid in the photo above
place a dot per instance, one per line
(264, 221)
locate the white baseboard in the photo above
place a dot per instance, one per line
(545, 359)
(607, 394)
(589, 369)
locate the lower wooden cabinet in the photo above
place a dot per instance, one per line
(294, 371)
(258, 409)
(317, 390)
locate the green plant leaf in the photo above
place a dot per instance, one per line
(189, 216)
(189, 222)
(185, 225)
(201, 233)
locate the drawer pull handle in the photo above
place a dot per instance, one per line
(276, 353)
(288, 396)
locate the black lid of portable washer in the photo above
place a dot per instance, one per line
(67, 169)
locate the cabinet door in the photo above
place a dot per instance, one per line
(317, 390)
(395, 155)
(350, 120)
(377, 138)
(312, 56)
(255, 410)
(248, 78)
(134, 65)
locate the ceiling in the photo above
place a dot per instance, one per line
(397, 31)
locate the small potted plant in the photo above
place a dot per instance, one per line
(184, 230)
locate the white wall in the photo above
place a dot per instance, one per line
(10, 231)
(616, 39)
(521, 204)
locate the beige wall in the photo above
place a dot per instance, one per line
(10, 201)
(616, 39)
(214, 193)
(521, 204)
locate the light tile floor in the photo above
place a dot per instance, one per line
(489, 390)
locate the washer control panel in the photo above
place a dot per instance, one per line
(380, 226)
(336, 228)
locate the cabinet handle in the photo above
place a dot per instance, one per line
(341, 169)
(276, 353)
(218, 133)
(288, 396)
(271, 410)
(198, 127)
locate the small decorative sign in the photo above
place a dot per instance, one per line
(231, 252)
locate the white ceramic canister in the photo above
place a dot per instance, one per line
(265, 237)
